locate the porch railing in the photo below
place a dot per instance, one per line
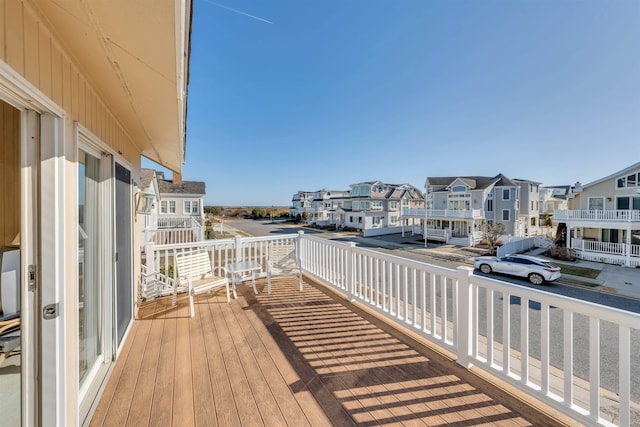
(174, 230)
(607, 252)
(623, 215)
(506, 330)
(443, 213)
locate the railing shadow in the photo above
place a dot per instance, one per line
(363, 372)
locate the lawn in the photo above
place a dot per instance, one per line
(574, 270)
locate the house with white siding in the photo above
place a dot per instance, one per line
(176, 214)
(603, 218)
(322, 207)
(378, 207)
(87, 87)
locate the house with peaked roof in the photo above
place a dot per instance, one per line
(603, 218)
(320, 207)
(87, 88)
(377, 207)
(458, 207)
(176, 214)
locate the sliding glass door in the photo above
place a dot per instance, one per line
(123, 213)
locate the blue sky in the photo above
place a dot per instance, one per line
(289, 95)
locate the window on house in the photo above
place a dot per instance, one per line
(393, 219)
(194, 207)
(163, 207)
(505, 214)
(376, 220)
(187, 207)
(624, 203)
(172, 206)
(459, 188)
(489, 205)
(533, 221)
(393, 205)
(376, 204)
(596, 203)
(506, 194)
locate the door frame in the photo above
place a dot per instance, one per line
(42, 154)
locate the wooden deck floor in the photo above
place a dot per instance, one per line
(294, 359)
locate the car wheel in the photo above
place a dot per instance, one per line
(485, 268)
(536, 279)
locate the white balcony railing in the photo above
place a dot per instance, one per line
(443, 213)
(597, 215)
(607, 252)
(173, 230)
(504, 329)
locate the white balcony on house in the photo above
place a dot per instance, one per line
(443, 213)
(621, 219)
(173, 230)
(308, 371)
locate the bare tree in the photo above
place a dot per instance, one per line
(491, 233)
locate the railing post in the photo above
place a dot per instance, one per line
(238, 249)
(465, 316)
(299, 248)
(150, 259)
(351, 270)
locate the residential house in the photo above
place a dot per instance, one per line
(299, 203)
(87, 87)
(377, 207)
(322, 207)
(553, 198)
(603, 219)
(180, 199)
(457, 208)
(176, 213)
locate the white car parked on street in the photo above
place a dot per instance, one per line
(537, 270)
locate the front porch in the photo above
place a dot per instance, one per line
(290, 358)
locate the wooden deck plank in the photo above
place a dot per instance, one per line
(225, 406)
(146, 377)
(309, 406)
(245, 401)
(339, 361)
(183, 410)
(262, 394)
(162, 402)
(268, 366)
(109, 391)
(120, 404)
(294, 359)
(203, 400)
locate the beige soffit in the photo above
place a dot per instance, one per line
(136, 55)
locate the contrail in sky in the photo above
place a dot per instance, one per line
(239, 11)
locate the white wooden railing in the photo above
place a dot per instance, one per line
(623, 215)
(474, 317)
(442, 213)
(174, 230)
(607, 252)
